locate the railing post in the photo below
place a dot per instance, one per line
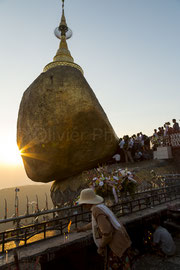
(161, 197)
(44, 230)
(76, 221)
(139, 204)
(25, 237)
(131, 208)
(3, 240)
(61, 228)
(153, 199)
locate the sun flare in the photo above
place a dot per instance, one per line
(10, 154)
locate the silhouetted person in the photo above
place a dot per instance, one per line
(175, 126)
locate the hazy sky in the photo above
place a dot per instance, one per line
(129, 51)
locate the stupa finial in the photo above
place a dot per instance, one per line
(63, 56)
(63, 28)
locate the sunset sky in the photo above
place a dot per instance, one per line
(128, 49)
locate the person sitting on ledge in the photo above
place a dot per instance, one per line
(109, 234)
(162, 239)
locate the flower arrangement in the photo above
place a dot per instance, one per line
(111, 184)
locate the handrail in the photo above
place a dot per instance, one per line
(155, 197)
(57, 210)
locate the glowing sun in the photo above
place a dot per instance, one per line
(10, 154)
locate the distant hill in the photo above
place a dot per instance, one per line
(11, 176)
(31, 191)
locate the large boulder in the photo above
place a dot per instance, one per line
(62, 129)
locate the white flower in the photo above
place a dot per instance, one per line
(101, 183)
(132, 180)
(95, 178)
(123, 172)
(115, 178)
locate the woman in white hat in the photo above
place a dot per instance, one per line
(108, 232)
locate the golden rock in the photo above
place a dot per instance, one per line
(62, 129)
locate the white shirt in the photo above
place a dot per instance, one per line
(162, 236)
(131, 143)
(121, 144)
(155, 134)
(117, 157)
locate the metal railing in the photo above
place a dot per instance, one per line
(172, 140)
(58, 223)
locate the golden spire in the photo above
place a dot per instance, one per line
(63, 56)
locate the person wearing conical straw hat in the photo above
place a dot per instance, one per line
(109, 234)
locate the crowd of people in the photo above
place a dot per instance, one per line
(161, 135)
(138, 147)
(134, 148)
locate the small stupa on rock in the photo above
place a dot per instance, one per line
(62, 129)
